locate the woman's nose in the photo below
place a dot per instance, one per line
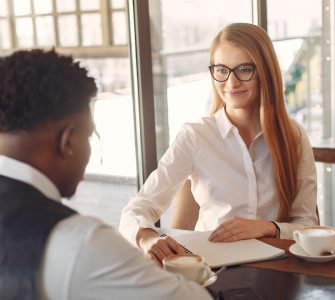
(232, 80)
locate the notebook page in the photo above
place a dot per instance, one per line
(227, 254)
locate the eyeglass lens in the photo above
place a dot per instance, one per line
(242, 72)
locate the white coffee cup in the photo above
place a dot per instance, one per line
(316, 241)
(191, 266)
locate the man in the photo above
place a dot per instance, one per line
(47, 251)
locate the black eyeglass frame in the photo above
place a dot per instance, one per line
(211, 68)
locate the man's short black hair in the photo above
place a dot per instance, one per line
(39, 86)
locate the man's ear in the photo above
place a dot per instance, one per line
(66, 140)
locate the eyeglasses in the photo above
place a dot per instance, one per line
(243, 72)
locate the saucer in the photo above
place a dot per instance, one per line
(210, 280)
(295, 249)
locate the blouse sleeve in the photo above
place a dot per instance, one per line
(304, 206)
(157, 193)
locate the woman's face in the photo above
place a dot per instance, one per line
(236, 94)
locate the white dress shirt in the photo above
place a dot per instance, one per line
(228, 179)
(86, 259)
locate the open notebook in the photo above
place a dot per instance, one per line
(225, 254)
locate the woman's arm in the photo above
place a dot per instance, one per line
(237, 229)
(156, 247)
(158, 192)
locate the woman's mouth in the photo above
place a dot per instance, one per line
(235, 93)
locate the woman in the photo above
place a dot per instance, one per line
(252, 168)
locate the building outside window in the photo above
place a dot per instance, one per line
(305, 46)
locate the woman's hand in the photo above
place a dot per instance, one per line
(156, 247)
(237, 229)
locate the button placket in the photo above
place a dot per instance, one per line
(249, 168)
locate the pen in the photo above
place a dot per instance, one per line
(185, 249)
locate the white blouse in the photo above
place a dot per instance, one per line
(228, 180)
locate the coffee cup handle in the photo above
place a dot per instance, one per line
(205, 273)
(296, 237)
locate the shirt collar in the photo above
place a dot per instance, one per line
(222, 122)
(21, 171)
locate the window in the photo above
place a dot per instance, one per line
(303, 44)
(62, 23)
(95, 32)
(180, 45)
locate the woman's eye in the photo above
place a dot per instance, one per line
(221, 70)
(244, 69)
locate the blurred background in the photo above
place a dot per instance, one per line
(105, 36)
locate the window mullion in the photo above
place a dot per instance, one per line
(105, 23)
(142, 82)
(12, 27)
(259, 13)
(33, 20)
(80, 32)
(55, 19)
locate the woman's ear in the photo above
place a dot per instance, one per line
(67, 140)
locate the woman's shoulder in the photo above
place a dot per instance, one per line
(300, 131)
(203, 123)
(298, 127)
(200, 128)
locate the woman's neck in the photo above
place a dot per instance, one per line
(247, 122)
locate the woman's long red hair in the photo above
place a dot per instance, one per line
(280, 133)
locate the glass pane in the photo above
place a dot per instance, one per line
(90, 4)
(22, 7)
(303, 47)
(66, 5)
(91, 29)
(180, 43)
(119, 27)
(45, 31)
(184, 29)
(285, 23)
(117, 4)
(3, 8)
(42, 6)
(4, 35)
(24, 32)
(68, 31)
(110, 112)
(111, 173)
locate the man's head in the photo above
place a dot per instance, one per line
(45, 117)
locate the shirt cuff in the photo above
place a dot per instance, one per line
(287, 229)
(129, 228)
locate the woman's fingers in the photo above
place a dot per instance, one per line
(237, 229)
(164, 247)
(174, 246)
(229, 235)
(153, 257)
(223, 230)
